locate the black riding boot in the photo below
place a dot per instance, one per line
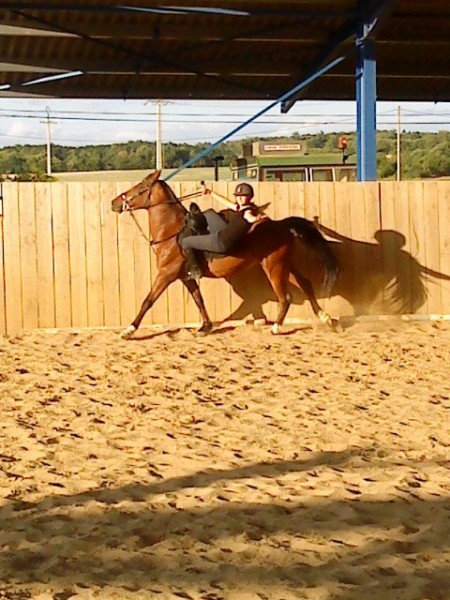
(193, 269)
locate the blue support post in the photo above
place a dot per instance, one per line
(366, 105)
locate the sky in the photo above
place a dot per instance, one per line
(83, 122)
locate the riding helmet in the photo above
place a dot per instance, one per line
(244, 189)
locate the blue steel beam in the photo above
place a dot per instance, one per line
(370, 14)
(285, 96)
(366, 99)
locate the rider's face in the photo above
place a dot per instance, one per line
(242, 200)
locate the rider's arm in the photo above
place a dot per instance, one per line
(251, 215)
(220, 198)
(223, 200)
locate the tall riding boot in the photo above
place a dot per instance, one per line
(193, 269)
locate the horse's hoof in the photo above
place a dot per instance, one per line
(205, 329)
(325, 318)
(127, 333)
(276, 329)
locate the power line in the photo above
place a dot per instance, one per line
(333, 121)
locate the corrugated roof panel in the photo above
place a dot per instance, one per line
(256, 49)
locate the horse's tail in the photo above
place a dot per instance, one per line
(311, 236)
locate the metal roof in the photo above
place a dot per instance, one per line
(217, 49)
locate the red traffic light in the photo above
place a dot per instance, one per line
(342, 142)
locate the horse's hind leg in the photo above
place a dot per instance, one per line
(162, 281)
(277, 272)
(307, 288)
(194, 290)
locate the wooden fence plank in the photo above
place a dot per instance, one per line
(432, 236)
(110, 255)
(444, 230)
(44, 247)
(387, 239)
(2, 267)
(63, 304)
(417, 238)
(361, 277)
(409, 292)
(127, 285)
(374, 289)
(28, 256)
(94, 266)
(13, 283)
(340, 243)
(77, 255)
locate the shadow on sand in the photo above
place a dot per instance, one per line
(137, 537)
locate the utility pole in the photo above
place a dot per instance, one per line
(49, 122)
(399, 168)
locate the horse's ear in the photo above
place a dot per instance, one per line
(153, 176)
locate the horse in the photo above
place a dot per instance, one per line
(269, 243)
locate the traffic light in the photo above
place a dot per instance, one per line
(342, 142)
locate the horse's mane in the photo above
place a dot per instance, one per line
(166, 187)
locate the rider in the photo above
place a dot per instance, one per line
(222, 236)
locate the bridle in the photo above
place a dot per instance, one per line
(126, 201)
(126, 208)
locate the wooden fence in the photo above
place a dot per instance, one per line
(68, 261)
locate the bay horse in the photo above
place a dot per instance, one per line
(270, 243)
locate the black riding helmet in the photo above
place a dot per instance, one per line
(244, 189)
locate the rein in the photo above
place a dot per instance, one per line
(152, 242)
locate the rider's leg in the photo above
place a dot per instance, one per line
(207, 243)
(191, 244)
(215, 221)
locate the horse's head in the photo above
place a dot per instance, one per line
(139, 196)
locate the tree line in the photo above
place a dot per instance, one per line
(423, 155)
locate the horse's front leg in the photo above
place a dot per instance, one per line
(162, 282)
(195, 292)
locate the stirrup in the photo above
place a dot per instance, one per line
(194, 272)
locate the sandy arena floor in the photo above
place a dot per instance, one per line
(240, 466)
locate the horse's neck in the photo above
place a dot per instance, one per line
(166, 216)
